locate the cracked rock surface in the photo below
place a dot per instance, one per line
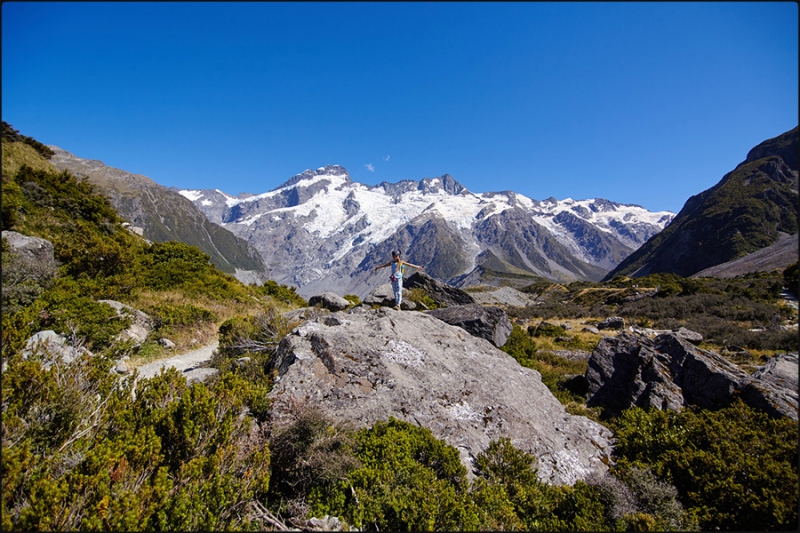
(362, 366)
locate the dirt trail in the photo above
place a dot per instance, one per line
(183, 362)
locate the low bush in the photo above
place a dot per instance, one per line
(282, 293)
(734, 469)
(82, 451)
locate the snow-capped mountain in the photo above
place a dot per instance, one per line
(321, 231)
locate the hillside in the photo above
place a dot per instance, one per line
(165, 215)
(746, 211)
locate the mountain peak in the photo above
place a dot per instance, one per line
(445, 182)
(327, 170)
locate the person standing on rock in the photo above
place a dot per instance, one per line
(398, 267)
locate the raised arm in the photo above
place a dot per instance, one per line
(383, 266)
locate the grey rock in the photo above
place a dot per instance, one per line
(490, 323)
(166, 343)
(572, 355)
(614, 322)
(49, 347)
(689, 335)
(302, 314)
(591, 329)
(383, 363)
(122, 367)
(780, 371)
(669, 372)
(408, 305)
(441, 293)
(33, 249)
(199, 374)
(142, 324)
(330, 301)
(505, 296)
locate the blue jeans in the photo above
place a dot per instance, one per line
(397, 286)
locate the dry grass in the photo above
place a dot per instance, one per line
(192, 337)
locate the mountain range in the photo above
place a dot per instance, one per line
(320, 231)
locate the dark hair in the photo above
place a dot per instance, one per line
(395, 253)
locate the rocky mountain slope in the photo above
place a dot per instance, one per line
(776, 256)
(321, 231)
(165, 215)
(746, 211)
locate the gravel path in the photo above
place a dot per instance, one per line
(185, 362)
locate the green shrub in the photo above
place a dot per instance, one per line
(408, 480)
(68, 311)
(179, 315)
(282, 293)
(791, 280)
(555, 370)
(12, 135)
(420, 296)
(82, 451)
(734, 469)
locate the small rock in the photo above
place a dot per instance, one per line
(408, 305)
(614, 322)
(166, 343)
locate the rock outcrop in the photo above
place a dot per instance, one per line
(362, 366)
(613, 322)
(32, 249)
(141, 327)
(48, 346)
(330, 301)
(490, 323)
(443, 294)
(669, 372)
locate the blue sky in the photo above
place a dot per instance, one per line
(644, 103)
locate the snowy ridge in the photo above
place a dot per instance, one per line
(319, 221)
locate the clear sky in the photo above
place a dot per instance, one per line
(643, 103)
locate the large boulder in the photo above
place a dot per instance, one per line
(330, 301)
(669, 372)
(33, 249)
(362, 366)
(141, 327)
(444, 295)
(27, 270)
(49, 347)
(490, 323)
